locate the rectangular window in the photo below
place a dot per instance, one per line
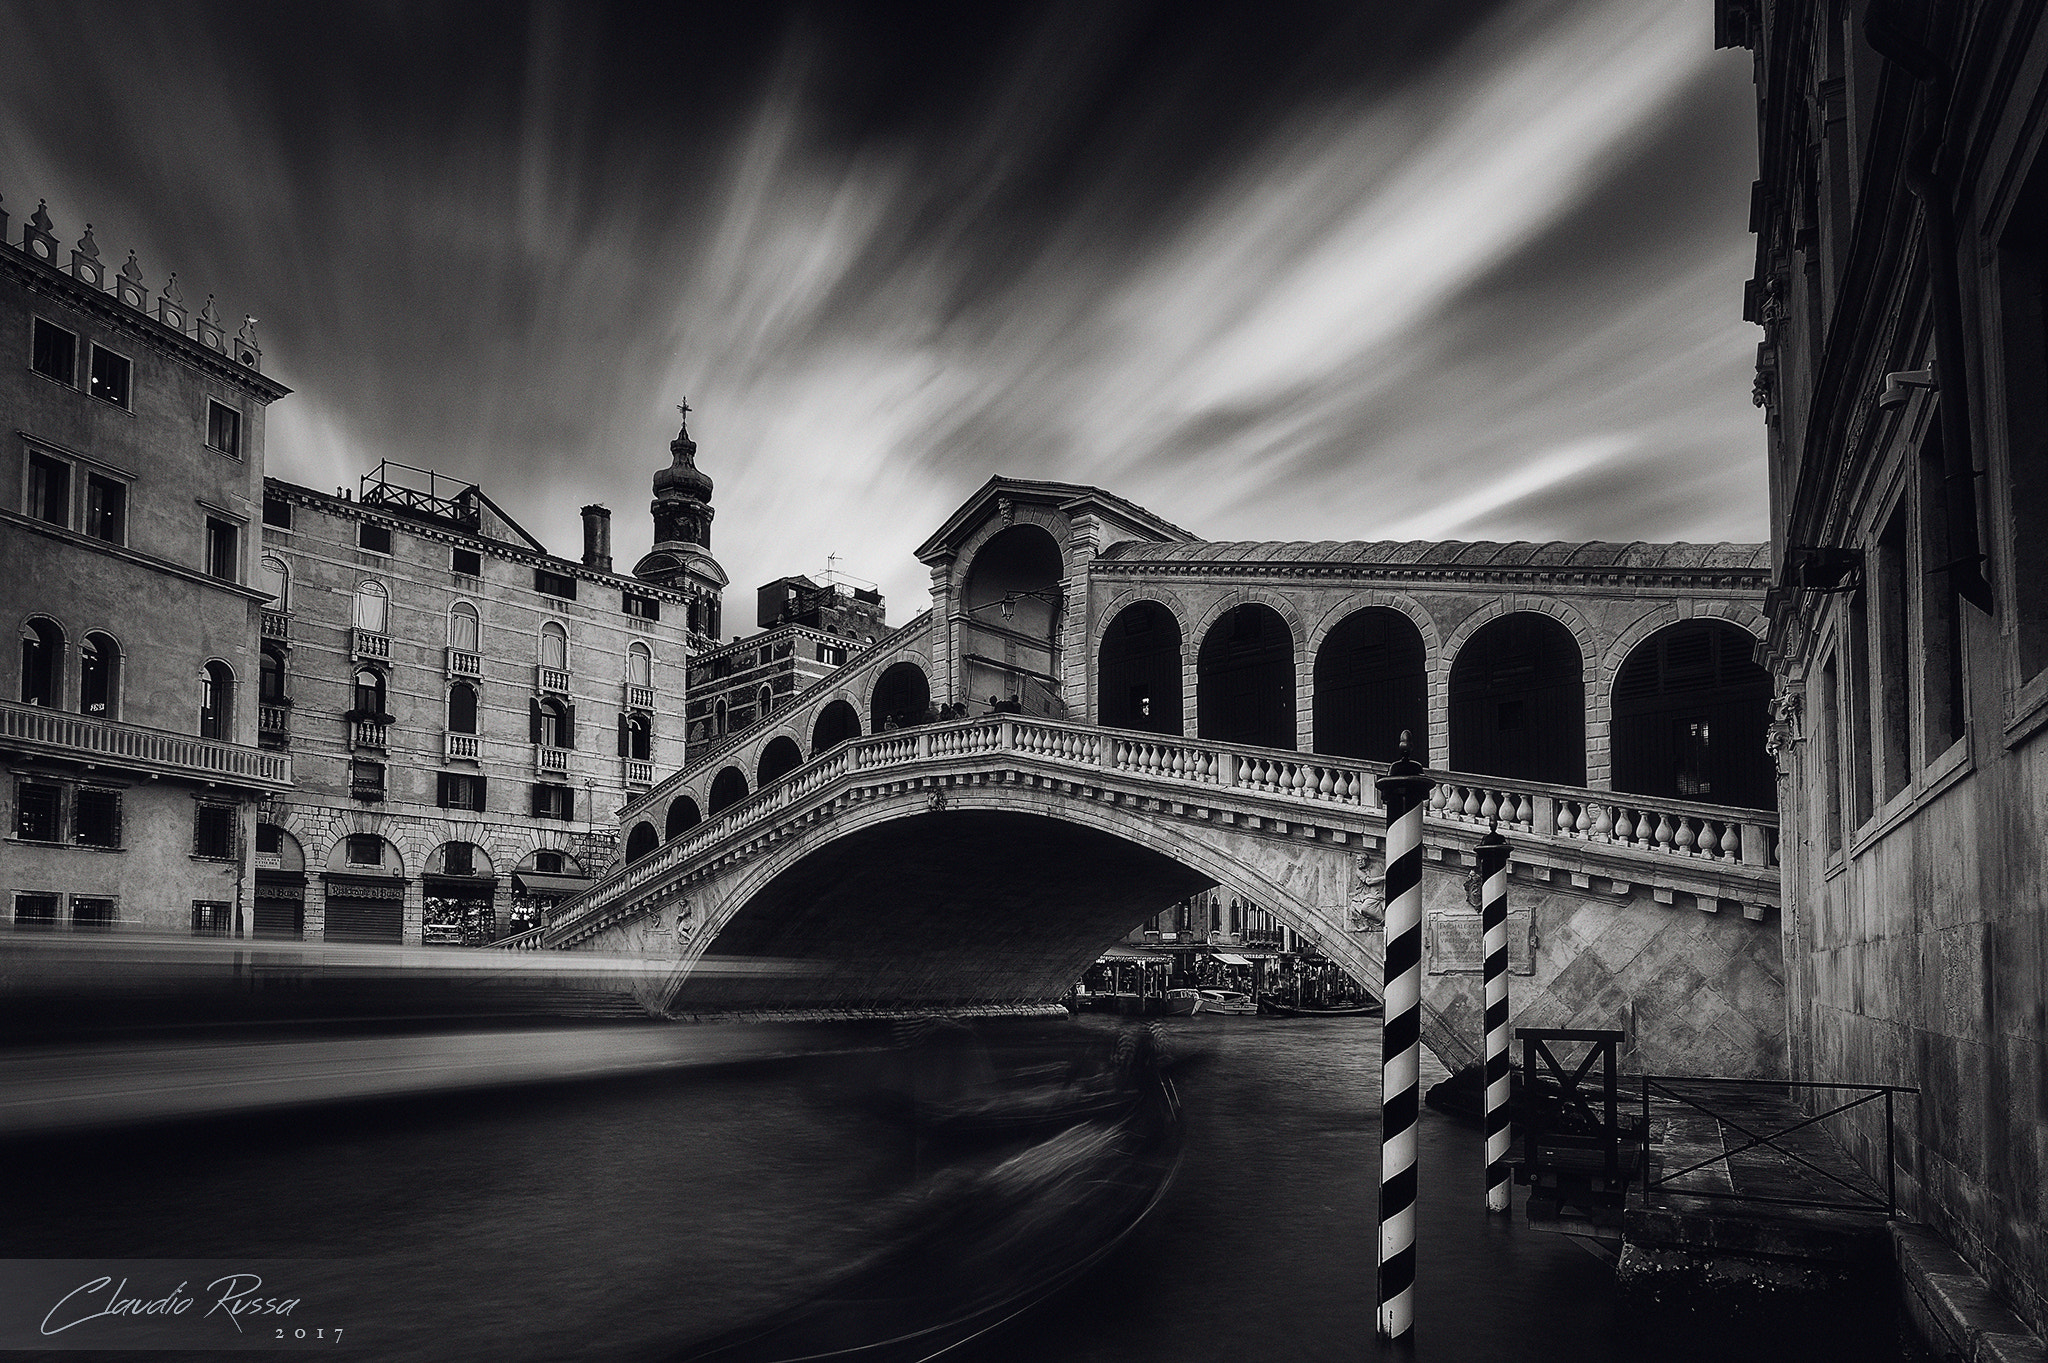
(832, 654)
(646, 607)
(548, 863)
(460, 790)
(1894, 650)
(553, 802)
(96, 820)
(36, 809)
(554, 584)
(269, 838)
(1941, 624)
(1857, 734)
(375, 538)
(55, 353)
(467, 562)
(109, 377)
(277, 512)
(209, 918)
(49, 489)
(366, 780)
(221, 541)
(106, 509)
(224, 429)
(92, 914)
(35, 910)
(365, 849)
(457, 859)
(213, 832)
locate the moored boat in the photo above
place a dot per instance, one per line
(1272, 1007)
(1181, 1003)
(1228, 1001)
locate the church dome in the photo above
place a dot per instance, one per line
(683, 478)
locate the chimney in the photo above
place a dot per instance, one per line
(597, 538)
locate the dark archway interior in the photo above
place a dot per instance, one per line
(1244, 690)
(1372, 684)
(1137, 677)
(728, 788)
(781, 757)
(641, 841)
(907, 913)
(1518, 702)
(1689, 714)
(837, 722)
(1009, 646)
(683, 816)
(901, 694)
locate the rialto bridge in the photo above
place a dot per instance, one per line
(1148, 715)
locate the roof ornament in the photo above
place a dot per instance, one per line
(87, 247)
(171, 290)
(41, 218)
(247, 335)
(209, 313)
(133, 269)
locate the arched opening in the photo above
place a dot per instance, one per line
(1690, 709)
(552, 728)
(278, 906)
(1244, 687)
(217, 702)
(369, 697)
(1371, 686)
(462, 708)
(1137, 673)
(837, 722)
(764, 702)
(460, 899)
(1518, 703)
(554, 646)
(683, 815)
(373, 608)
(270, 680)
(463, 627)
(641, 841)
(1010, 642)
(365, 891)
(639, 665)
(42, 652)
(273, 577)
(99, 676)
(636, 737)
(728, 788)
(778, 759)
(901, 697)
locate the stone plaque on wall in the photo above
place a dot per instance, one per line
(1456, 946)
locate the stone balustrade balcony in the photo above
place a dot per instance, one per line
(463, 663)
(639, 773)
(365, 643)
(368, 733)
(463, 747)
(551, 761)
(551, 680)
(639, 697)
(276, 625)
(57, 733)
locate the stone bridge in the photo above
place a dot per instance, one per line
(986, 862)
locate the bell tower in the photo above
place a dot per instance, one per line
(681, 557)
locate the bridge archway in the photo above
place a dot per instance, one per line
(902, 694)
(1371, 685)
(1138, 670)
(1518, 702)
(778, 759)
(683, 816)
(728, 788)
(1689, 711)
(1244, 679)
(1013, 596)
(836, 723)
(641, 841)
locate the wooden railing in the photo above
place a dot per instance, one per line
(59, 733)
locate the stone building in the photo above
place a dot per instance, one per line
(464, 710)
(128, 540)
(1901, 254)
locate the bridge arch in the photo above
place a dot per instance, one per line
(837, 721)
(1013, 604)
(728, 788)
(641, 841)
(1372, 675)
(901, 695)
(1517, 700)
(1138, 669)
(779, 757)
(1246, 677)
(1688, 713)
(683, 815)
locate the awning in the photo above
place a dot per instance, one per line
(1228, 959)
(1134, 954)
(540, 882)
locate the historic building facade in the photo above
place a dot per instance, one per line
(1902, 250)
(128, 539)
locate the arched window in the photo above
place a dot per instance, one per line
(1517, 702)
(369, 693)
(683, 815)
(462, 627)
(641, 841)
(837, 722)
(728, 788)
(1138, 670)
(373, 608)
(778, 760)
(1688, 716)
(552, 718)
(636, 737)
(554, 646)
(1244, 679)
(462, 708)
(99, 676)
(718, 718)
(1371, 686)
(217, 702)
(42, 653)
(765, 702)
(639, 665)
(270, 682)
(273, 577)
(900, 697)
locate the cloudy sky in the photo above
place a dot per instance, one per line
(1356, 269)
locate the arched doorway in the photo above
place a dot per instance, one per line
(1690, 709)
(1137, 672)
(837, 722)
(1371, 685)
(778, 759)
(1010, 640)
(641, 841)
(728, 788)
(1244, 686)
(901, 697)
(1518, 702)
(683, 816)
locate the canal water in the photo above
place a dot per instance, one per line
(617, 1220)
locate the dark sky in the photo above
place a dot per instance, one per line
(1291, 271)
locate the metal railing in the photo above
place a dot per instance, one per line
(60, 733)
(1859, 1199)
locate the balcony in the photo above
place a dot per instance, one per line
(368, 733)
(639, 697)
(639, 772)
(551, 681)
(551, 761)
(365, 644)
(463, 747)
(274, 726)
(462, 663)
(276, 625)
(54, 733)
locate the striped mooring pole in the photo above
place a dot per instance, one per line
(1404, 790)
(1493, 917)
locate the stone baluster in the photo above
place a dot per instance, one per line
(1603, 826)
(1682, 839)
(1663, 832)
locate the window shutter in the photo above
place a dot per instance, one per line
(481, 802)
(568, 726)
(441, 789)
(533, 716)
(540, 795)
(623, 751)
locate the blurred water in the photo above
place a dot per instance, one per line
(614, 1220)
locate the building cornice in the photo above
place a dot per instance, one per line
(1755, 580)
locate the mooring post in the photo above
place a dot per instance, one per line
(1493, 893)
(1404, 790)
